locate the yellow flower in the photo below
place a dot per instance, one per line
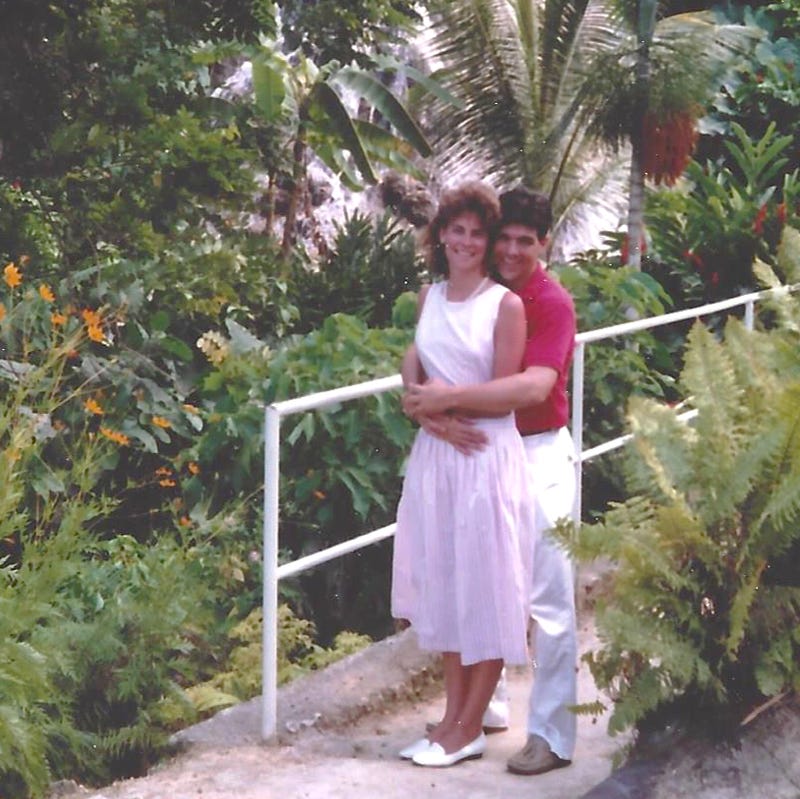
(93, 406)
(57, 319)
(95, 333)
(193, 467)
(46, 293)
(91, 317)
(12, 275)
(2, 311)
(160, 421)
(115, 436)
(214, 346)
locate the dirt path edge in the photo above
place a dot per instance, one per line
(383, 673)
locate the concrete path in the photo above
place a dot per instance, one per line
(336, 756)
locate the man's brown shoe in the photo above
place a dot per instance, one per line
(535, 757)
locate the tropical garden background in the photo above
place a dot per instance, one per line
(208, 206)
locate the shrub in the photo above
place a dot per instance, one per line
(694, 624)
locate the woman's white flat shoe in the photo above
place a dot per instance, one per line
(412, 749)
(435, 756)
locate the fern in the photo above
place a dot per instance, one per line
(689, 620)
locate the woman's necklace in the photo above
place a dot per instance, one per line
(477, 290)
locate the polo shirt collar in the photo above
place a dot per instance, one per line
(537, 278)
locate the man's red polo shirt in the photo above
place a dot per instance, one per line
(550, 314)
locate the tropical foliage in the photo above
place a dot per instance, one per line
(147, 313)
(293, 93)
(695, 627)
(707, 232)
(544, 84)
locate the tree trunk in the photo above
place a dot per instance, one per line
(298, 179)
(645, 29)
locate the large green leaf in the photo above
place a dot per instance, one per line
(326, 107)
(388, 149)
(269, 86)
(427, 82)
(382, 99)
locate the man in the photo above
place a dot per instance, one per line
(538, 394)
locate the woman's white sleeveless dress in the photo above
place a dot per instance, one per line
(462, 550)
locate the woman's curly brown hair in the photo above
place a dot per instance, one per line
(471, 197)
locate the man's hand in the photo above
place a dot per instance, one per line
(430, 398)
(458, 431)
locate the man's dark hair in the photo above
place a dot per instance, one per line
(521, 206)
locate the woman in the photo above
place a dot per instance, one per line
(458, 572)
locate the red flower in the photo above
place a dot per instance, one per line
(624, 250)
(695, 260)
(758, 222)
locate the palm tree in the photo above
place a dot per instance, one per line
(549, 90)
(650, 92)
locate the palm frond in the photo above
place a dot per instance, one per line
(477, 49)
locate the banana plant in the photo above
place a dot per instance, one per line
(308, 103)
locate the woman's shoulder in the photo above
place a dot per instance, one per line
(509, 301)
(503, 295)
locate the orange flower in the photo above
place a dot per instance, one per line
(319, 494)
(166, 483)
(91, 317)
(46, 293)
(184, 521)
(57, 319)
(163, 471)
(12, 275)
(93, 406)
(193, 467)
(95, 333)
(193, 409)
(115, 436)
(2, 311)
(160, 421)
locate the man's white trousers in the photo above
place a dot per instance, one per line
(553, 633)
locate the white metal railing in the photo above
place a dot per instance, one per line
(272, 420)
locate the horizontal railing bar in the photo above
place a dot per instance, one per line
(666, 319)
(606, 446)
(618, 443)
(324, 555)
(323, 399)
(343, 394)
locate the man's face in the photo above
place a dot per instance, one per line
(516, 253)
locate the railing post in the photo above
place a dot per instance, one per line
(269, 662)
(749, 314)
(577, 427)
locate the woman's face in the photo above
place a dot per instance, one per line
(465, 240)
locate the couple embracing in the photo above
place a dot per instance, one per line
(491, 470)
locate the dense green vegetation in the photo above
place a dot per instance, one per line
(702, 620)
(145, 321)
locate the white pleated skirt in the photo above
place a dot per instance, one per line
(462, 551)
